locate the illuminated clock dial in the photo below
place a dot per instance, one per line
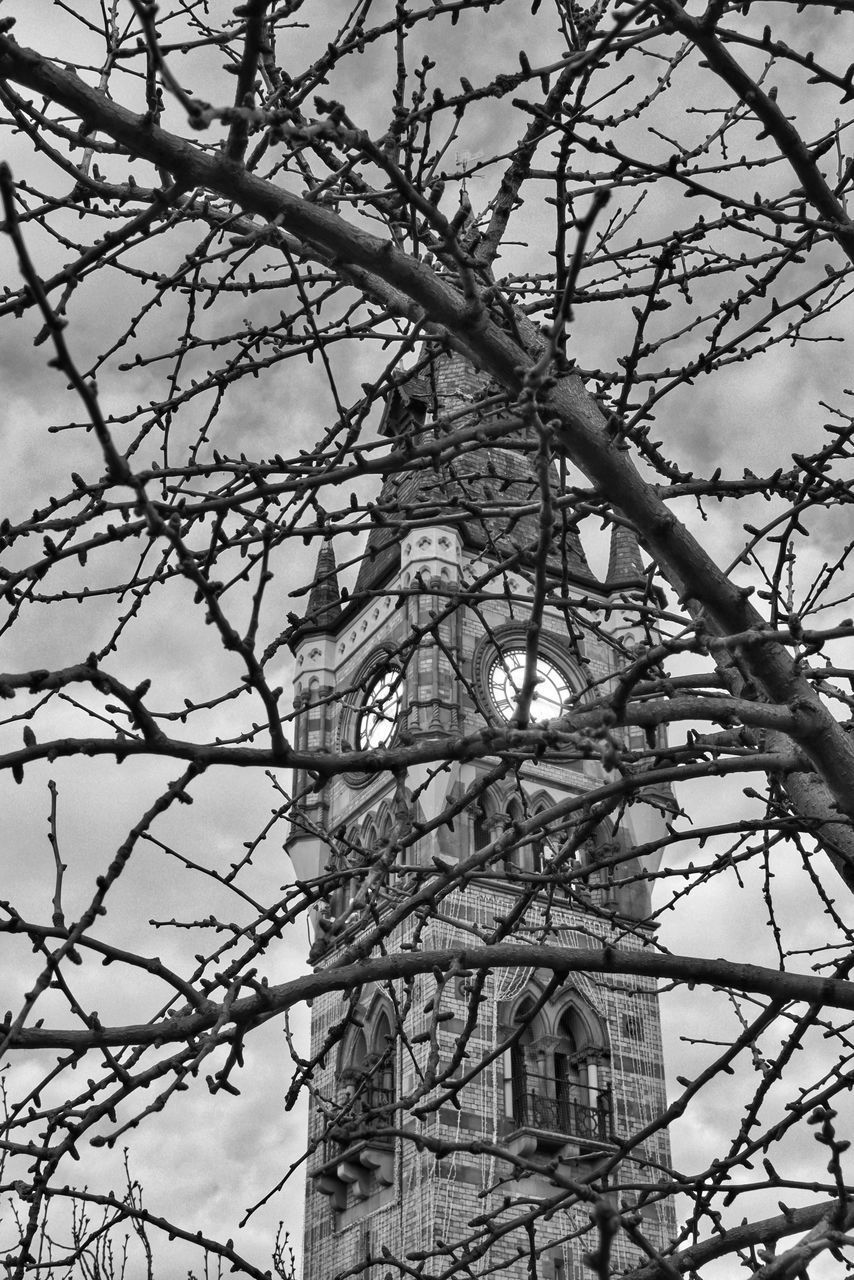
(506, 676)
(379, 711)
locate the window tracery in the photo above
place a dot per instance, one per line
(366, 1073)
(553, 1082)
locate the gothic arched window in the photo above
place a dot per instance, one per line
(572, 1087)
(369, 839)
(353, 1068)
(341, 887)
(559, 854)
(360, 1167)
(385, 830)
(482, 834)
(521, 1059)
(366, 1071)
(518, 855)
(552, 1079)
(383, 1047)
(544, 848)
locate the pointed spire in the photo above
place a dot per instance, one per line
(625, 567)
(324, 598)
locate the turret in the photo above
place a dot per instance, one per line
(312, 643)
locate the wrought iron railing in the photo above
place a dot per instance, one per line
(556, 1106)
(360, 1113)
(370, 1098)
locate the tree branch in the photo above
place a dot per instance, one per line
(273, 1000)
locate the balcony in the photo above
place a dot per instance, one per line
(365, 1098)
(356, 1168)
(559, 1111)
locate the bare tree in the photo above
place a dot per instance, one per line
(240, 241)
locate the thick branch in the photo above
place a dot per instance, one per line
(823, 992)
(745, 1236)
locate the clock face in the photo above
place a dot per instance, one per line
(379, 711)
(504, 681)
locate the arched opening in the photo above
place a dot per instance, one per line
(548, 852)
(481, 834)
(544, 849)
(382, 1084)
(351, 1075)
(341, 887)
(369, 839)
(567, 861)
(359, 1167)
(520, 855)
(358, 1052)
(521, 1055)
(572, 1084)
(385, 829)
(366, 1070)
(552, 1076)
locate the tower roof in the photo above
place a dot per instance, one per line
(324, 598)
(625, 567)
(480, 491)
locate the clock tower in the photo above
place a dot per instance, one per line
(467, 1124)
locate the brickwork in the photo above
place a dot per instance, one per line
(424, 1200)
(368, 1189)
(432, 1201)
